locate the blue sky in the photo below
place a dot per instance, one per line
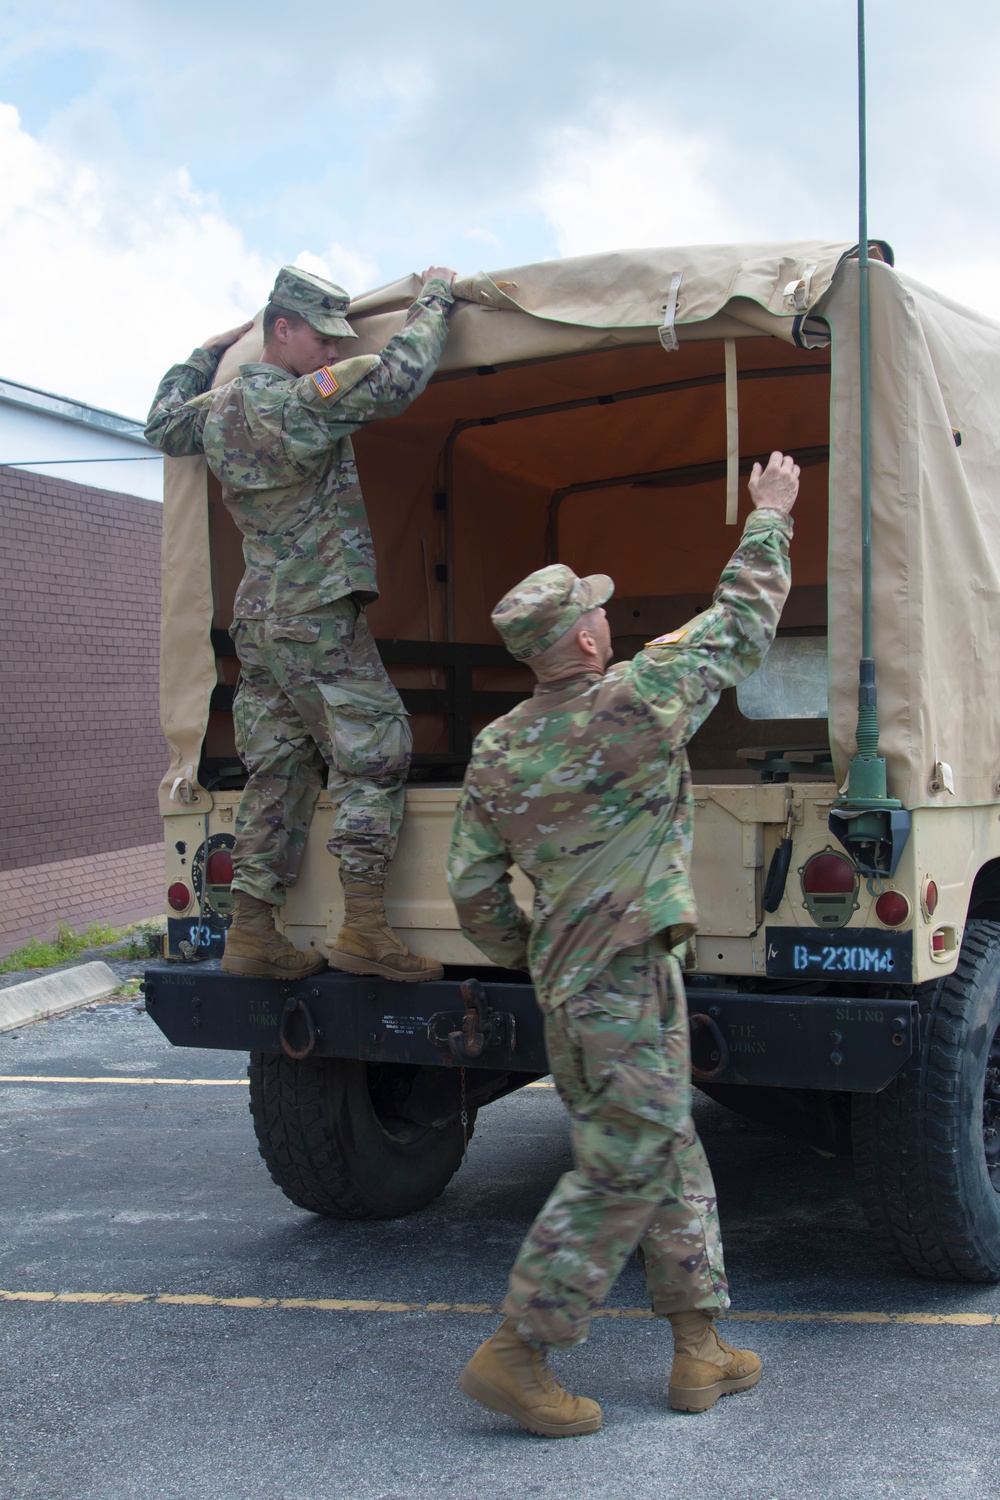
(159, 161)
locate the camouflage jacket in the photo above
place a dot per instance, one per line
(281, 448)
(587, 787)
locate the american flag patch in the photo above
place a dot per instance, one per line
(668, 640)
(325, 381)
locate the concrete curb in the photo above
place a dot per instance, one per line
(67, 989)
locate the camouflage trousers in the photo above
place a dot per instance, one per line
(620, 1057)
(312, 690)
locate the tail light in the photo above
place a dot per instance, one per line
(212, 875)
(892, 908)
(830, 887)
(219, 870)
(828, 874)
(930, 898)
(178, 896)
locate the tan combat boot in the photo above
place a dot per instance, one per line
(366, 944)
(704, 1367)
(255, 948)
(507, 1374)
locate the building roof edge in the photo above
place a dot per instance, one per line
(68, 409)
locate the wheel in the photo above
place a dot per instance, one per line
(353, 1140)
(927, 1149)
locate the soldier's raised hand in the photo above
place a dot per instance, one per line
(443, 273)
(220, 342)
(775, 487)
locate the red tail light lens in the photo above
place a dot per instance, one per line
(828, 874)
(892, 908)
(178, 896)
(931, 898)
(219, 869)
(938, 944)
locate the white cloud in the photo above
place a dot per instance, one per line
(626, 181)
(109, 277)
(106, 283)
(357, 273)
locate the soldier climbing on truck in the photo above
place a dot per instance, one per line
(313, 692)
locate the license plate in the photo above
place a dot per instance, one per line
(859, 953)
(212, 936)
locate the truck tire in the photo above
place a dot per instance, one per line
(330, 1151)
(926, 1149)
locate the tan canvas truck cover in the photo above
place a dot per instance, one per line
(936, 501)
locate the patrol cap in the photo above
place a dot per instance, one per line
(543, 606)
(322, 303)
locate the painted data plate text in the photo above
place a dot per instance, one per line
(860, 953)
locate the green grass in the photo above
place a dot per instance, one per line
(36, 954)
(127, 991)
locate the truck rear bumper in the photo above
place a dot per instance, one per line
(779, 1040)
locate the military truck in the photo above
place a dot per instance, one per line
(604, 411)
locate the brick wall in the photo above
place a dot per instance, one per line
(120, 887)
(80, 745)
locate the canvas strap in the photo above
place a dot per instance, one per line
(732, 436)
(668, 336)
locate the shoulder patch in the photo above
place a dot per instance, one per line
(668, 640)
(334, 381)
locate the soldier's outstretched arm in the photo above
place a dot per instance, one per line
(410, 358)
(336, 401)
(176, 418)
(682, 674)
(479, 884)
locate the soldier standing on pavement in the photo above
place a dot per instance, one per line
(312, 685)
(587, 787)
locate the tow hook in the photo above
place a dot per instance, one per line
(481, 1027)
(468, 1043)
(298, 1054)
(719, 1054)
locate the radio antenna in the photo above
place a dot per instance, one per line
(868, 822)
(866, 786)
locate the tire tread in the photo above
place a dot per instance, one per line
(287, 1106)
(908, 1138)
(324, 1146)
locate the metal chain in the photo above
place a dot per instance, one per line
(464, 1117)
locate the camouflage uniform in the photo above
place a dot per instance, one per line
(587, 787)
(312, 685)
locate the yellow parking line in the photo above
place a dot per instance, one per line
(359, 1305)
(193, 1082)
(958, 1320)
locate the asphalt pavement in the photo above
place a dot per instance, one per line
(258, 1351)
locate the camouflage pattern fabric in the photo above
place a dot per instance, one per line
(586, 786)
(322, 303)
(280, 446)
(312, 686)
(313, 689)
(545, 605)
(619, 1056)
